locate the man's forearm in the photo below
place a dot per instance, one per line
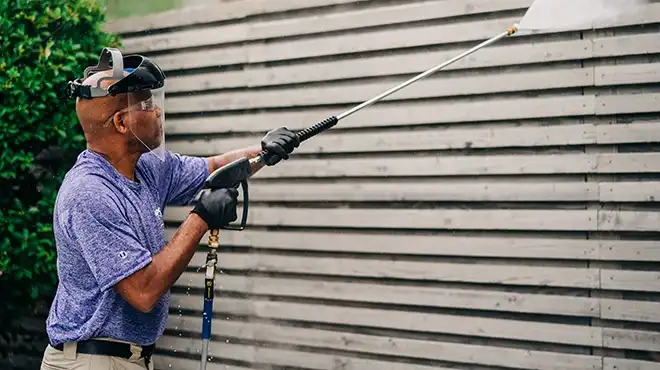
(222, 160)
(143, 289)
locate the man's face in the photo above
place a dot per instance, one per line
(145, 120)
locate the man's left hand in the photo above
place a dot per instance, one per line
(280, 142)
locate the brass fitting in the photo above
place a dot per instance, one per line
(214, 241)
(513, 29)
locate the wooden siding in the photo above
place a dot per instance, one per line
(506, 206)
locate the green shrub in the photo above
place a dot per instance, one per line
(44, 44)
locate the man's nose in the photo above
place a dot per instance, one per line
(158, 111)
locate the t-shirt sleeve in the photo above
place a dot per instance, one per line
(185, 178)
(106, 240)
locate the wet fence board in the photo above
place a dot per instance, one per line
(499, 214)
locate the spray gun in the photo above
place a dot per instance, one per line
(237, 173)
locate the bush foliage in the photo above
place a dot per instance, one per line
(44, 44)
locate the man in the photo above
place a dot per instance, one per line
(115, 269)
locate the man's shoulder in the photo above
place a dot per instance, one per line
(86, 181)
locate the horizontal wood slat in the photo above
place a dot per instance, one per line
(431, 88)
(292, 358)
(459, 298)
(453, 219)
(404, 295)
(388, 115)
(424, 322)
(444, 139)
(620, 363)
(427, 350)
(403, 63)
(319, 24)
(432, 271)
(457, 191)
(404, 320)
(207, 14)
(444, 219)
(443, 245)
(465, 166)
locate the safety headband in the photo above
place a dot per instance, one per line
(143, 74)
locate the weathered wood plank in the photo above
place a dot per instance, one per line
(406, 295)
(435, 245)
(621, 364)
(414, 140)
(409, 191)
(357, 93)
(629, 103)
(415, 348)
(207, 14)
(386, 15)
(407, 270)
(646, 132)
(464, 166)
(630, 250)
(642, 281)
(405, 63)
(640, 15)
(215, 35)
(395, 114)
(291, 358)
(170, 362)
(630, 191)
(452, 219)
(627, 74)
(443, 139)
(442, 245)
(626, 45)
(411, 321)
(434, 166)
(204, 58)
(631, 339)
(628, 220)
(380, 16)
(629, 310)
(387, 39)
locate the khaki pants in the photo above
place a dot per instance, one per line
(68, 359)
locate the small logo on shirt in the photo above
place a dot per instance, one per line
(159, 214)
(123, 255)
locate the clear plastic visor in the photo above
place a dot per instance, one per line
(146, 121)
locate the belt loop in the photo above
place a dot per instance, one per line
(69, 349)
(136, 352)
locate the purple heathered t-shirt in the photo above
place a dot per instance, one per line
(106, 228)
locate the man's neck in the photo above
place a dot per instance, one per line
(123, 162)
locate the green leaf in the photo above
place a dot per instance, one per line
(44, 44)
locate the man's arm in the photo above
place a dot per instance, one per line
(143, 289)
(222, 160)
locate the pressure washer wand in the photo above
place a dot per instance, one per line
(331, 121)
(238, 172)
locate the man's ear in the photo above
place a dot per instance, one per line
(119, 120)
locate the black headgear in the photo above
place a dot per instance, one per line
(144, 74)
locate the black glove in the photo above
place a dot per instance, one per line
(217, 207)
(279, 142)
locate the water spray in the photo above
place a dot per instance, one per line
(543, 15)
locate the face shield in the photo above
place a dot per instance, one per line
(142, 83)
(145, 117)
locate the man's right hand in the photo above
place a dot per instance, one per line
(217, 207)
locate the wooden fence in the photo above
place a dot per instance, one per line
(503, 207)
